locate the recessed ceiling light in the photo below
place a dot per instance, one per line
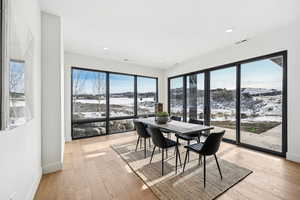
(229, 30)
(105, 48)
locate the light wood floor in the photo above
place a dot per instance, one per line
(93, 171)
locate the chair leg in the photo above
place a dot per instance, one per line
(162, 163)
(145, 144)
(175, 151)
(218, 166)
(204, 170)
(176, 148)
(186, 155)
(137, 143)
(149, 142)
(199, 161)
(198, 138)
(178, 152)
(188, 152)
(141, 143)
(179, 158)
(152, 154)
(167, 153)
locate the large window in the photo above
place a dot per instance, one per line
(261, 103)
(176, 97)
(195, 96)
(146, 95)
(247, 99)
(89, 94)
(105, 102)
(17, 98)
(89, 103)
(121, 100)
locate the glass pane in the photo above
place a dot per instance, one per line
(17, 100)
(176, 97)
(146, 94)
(223, 101)
(89, 94)
(81, 130)
(261, 103)
(195, 96)
(117, 126)
(121, 95)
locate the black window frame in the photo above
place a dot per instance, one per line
(107, 118)
(237, 65)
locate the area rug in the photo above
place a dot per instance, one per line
(187, 185)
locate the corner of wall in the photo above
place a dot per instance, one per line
(35, 185)
(52, 167)
(293, 157)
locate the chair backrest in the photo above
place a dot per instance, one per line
(158, 138)
(194, 121)
(212, 143)
(141, 129)
(176, 118)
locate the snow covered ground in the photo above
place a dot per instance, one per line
(265, 105)
(118, 107)
(114, 101)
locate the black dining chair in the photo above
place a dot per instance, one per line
(164, 143)
(143, 134)
(190, 137)
(176, 118)
(199, 122)
(209, 147)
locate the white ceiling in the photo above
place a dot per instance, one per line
(160, 33)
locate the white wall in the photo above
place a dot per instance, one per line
(286, 38)
(20, 148)
(76, 60)
(52, 93)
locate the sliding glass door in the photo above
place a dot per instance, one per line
(106, 102)
(176, 97)
(247, 99)
(262, 103)
(223, 101)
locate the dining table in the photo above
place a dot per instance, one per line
(176, 127)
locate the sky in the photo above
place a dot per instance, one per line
(258, 74)
(118, 83)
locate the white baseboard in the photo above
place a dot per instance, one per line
(293, 157)
(34, 186)
(52, 167)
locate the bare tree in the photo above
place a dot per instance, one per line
(99, 87)
(16, 87)
(79, 79)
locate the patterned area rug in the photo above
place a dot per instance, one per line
(187, 185)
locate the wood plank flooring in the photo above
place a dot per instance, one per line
(93, 171)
